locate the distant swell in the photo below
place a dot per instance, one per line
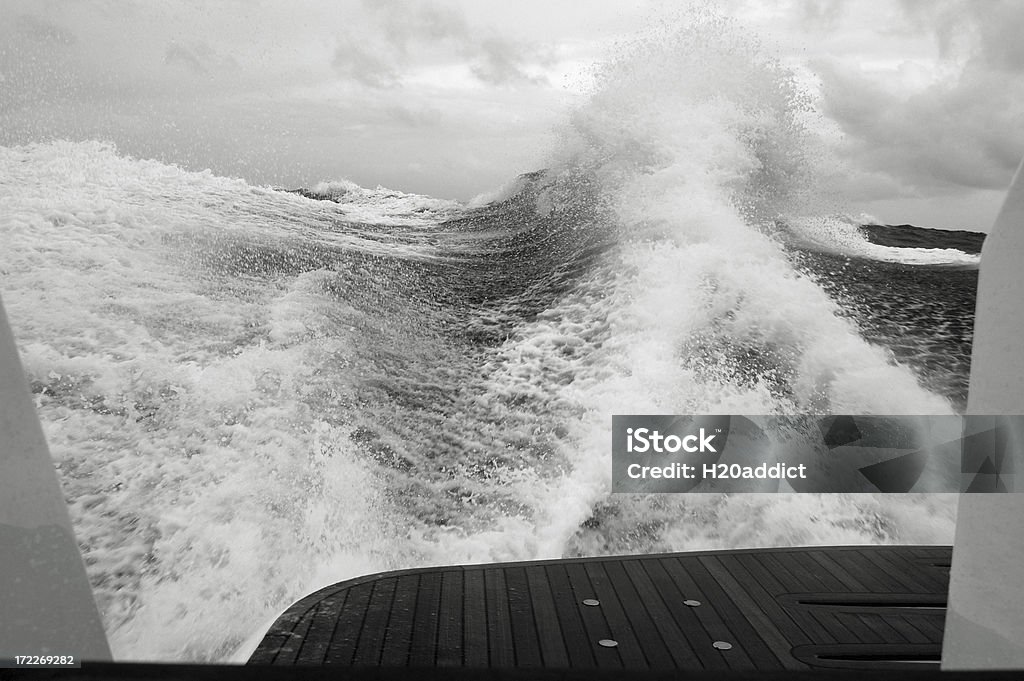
(909, 236)
(898, 244)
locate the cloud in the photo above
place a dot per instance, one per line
(399, 37)
(501, 62)
(356, 63)
(424, 22)
(963, 130)
(190, 58)
(824, 14)
(998, 25)
(36, 29)
(988, 32)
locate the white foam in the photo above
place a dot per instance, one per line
(693, 139)
(387, 206)
(843, 235)
(175, 398)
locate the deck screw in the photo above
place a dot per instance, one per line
(591, 601)
(607, 643)
(722, 645)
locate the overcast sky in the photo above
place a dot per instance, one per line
(922, 100)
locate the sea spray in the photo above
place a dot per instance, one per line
(696, 141)
(250, 393)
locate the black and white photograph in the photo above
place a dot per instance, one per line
(305, 292)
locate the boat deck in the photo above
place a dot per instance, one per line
(863, 607)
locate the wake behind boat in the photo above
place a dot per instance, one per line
(251, 393)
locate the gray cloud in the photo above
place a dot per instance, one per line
(967, 135)
(40, 30)
(988, 32)
(824, 14)
(1000, 25)
(956, 134)
(179, 54)
(403, 35)
(356, 63)
(198, 57)
(503, 63)
(415, 117)
(404, 25)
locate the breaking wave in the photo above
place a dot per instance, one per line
(249, 393)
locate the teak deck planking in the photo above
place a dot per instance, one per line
(859, 607)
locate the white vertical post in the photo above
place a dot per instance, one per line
(985, 618)
(46, 604)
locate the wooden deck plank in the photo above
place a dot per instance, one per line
(423, 649)
(648, 637)
(500, 642)
(350, 623)
(579, 647)
(918, 578)
(267, 650)
(289, 652)
(768, 635)
(549, 631)
(595, 623)
(889, 629)
(875, 579)
(918, 551)
(748, 637)
(827, 582)
(929, 625)
(630, 654)
(908, 582)
(474, 618)
(846, 577)
(398, 639)
(375, 624)
(763, 602)
(909, 632)
(649, 640)
(821, 629)
(761, 588)
(521, 618)
(737, 628)
(683, 655)
(941, 554)
(711, 622)
(321, 629)
(449, 620)
(868, 627)
(685, 617)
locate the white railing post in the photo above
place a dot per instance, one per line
(985, 617)
(46, 604)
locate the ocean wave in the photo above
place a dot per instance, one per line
(249, 394)
(383, 206)
(843, 235)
